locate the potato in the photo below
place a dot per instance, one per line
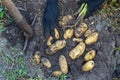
(46, 62)
(77, 51)
(80, 30)
(92, 38)
(57, 73)
(68, 33)
(77, 40)
(37, 57)
(58, 45)
(57, 35)
(65, 19)
(90, 55)
(92, 23)
(89, 32)
(49, 41)
(63, 64)
(88, 66)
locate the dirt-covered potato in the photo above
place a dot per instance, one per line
(77, 51)
(77, 39)
(37, 57)
(80, 30)
(92, 38)
(89, 32)
(49, 41)
(57, 73)
(46, 62)
(68, 33)
(88, 66)
(65, 19)
(57, 35)
(63, 64)
(90, 55)
(58, 45)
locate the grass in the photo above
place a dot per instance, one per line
(12, 62)
(14, 66)
(111, 13)
(63, 77)
(4, 18)
(117, 48)
(115, 79)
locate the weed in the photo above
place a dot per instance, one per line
(115, 79)
(4, 18)
(14, 66)
(113, 1)
(2, 28)
(117, 48)
(63, 77)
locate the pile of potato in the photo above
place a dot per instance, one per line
(91, 37)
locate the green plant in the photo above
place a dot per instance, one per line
(63, 77)
(4, 18)
(115, 79)
(2, 28)
(113, 1)
(117, 48)
(14, 66)
(2, 13)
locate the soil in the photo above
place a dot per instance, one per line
(107, 57)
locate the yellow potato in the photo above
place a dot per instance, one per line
(77, 40)
(92, 23)
(88, 66)
(57, 35)
(57, 73)
(68, 33)
(37, 57)
(49, 41)
(80, 30)
(77, 51)
(92, 38)
(90, 55)
(65, 19)
(46, 62)
(63, 64)
(58, 45)
(89, 32)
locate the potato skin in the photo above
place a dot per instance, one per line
(63, 64)
(49, 41)
(57, 73)
(46, 62)
(58, 45)
(88, 66)
(68, 33)
(80, 30)
(89, 32)
(57, 35)
(77, 40)
(77, 51)
(65, 19)
(90, 55)
(37, 57)
(92, 38)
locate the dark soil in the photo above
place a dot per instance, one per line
(105, 60)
